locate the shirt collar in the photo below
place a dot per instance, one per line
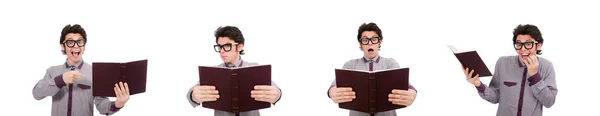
(78, 64)
(519, 61)
(376, 59)
(238, 64)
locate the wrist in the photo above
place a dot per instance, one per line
(118, 105)
(532, 73)
(477, 84)
(62, 77)
(196, 100)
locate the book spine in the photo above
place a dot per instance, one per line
(235, 90)
(123, 73)
(372, 83)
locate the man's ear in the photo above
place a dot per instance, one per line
(83, 50)
(62, 49)
(360, 46)
(539, 46)
(240, 47)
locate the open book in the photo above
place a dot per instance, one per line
(234, 86)
(471, 60)
(372, 88)
(107, 74)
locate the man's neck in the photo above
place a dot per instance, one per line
(235, 61)
(72, 62)
(371, 58)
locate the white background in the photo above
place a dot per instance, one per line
(304, 41)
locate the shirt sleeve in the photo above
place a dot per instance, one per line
(491, 93)
(543, 85)
(189, 96)
(47, 86)
(348, 65)
(280, 92)
(105, 106)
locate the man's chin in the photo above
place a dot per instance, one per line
(370, 55)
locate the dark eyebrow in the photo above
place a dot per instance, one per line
(526, 41)
(224, 44)
(370, 37)
(74, 39)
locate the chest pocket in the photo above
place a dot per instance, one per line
(84, 83)
(83, 86)
(509, 83)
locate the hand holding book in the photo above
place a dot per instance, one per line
(122, 93)
(472, 79)
(341, 94)
(205, 93)
(402, 97)
(265, 93)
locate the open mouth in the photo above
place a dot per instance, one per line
(76, 53)
(370, 50)
(524, 55)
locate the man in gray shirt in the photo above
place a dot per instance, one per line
(521, 84)
(370, 39)
(70, 84)
(230, 44)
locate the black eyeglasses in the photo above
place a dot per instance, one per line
(373, 40)
(225, 47)
(71, 43)
(528, 45)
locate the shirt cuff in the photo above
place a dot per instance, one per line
(192, 98)
(412, 87)
(328, 90)
(480, 88)
(280, 94)
(113, 107)
(534, 79)
(59, 81)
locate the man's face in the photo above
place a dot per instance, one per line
(74, 45)
(525, 45)
(370, 43)
(230, 50)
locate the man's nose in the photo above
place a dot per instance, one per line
(221, 50)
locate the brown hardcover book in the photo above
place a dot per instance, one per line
(372, 88)
(106, 75)
(471, 60)
(234, 86)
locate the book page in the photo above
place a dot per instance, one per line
(371, 71)
(456, 51)
(216, 66)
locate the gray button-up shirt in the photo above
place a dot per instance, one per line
(241, 63)
(378, 63)
(518, 93)
(71, 99)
